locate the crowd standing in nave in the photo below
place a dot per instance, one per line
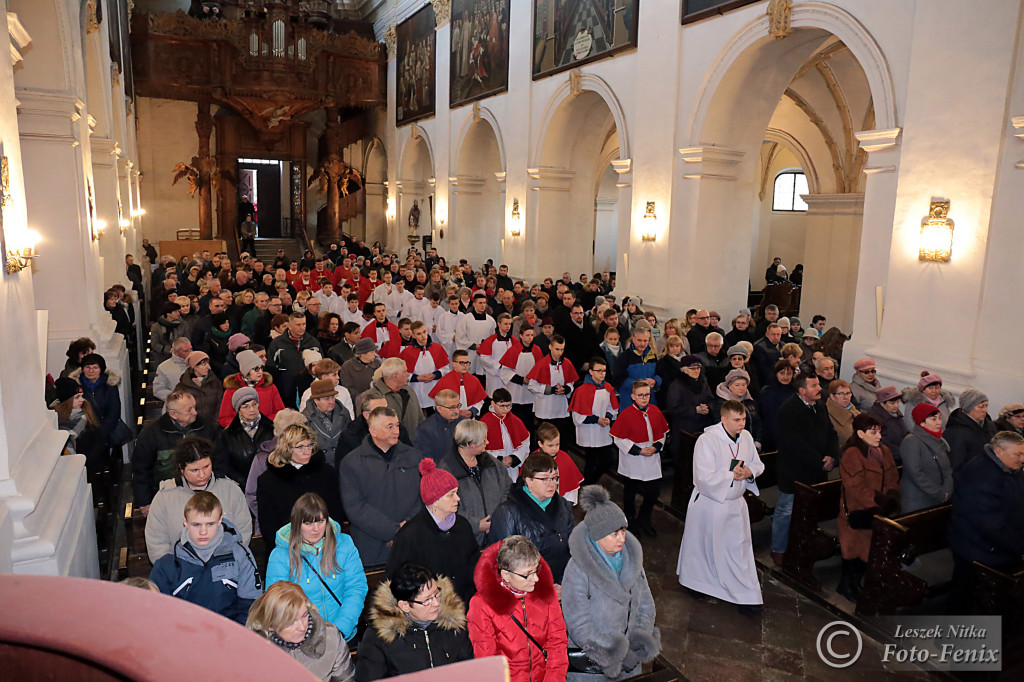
(424, 417)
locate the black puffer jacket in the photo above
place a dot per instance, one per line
(548, 529)
(967, 438)
(236, 449)
(153, 460)
(277, 488)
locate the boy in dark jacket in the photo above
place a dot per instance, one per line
(210, 566)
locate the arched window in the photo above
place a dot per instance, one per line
(789, 185)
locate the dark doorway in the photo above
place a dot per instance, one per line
(260, 180)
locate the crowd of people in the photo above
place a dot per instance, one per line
(358, 410)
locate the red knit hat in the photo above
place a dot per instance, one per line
(434, 483)
(922, 411)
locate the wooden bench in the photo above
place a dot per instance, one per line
(374, 577)
(1000, 591)
(887, 586)
(134, 559)
(757, 508)
(808, 544)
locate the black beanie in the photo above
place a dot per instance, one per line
(94, 359)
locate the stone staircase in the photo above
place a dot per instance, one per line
(266, 249)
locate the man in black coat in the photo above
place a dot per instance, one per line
(699, 331)
(808, 450)
(987, 521)
(285, 357)
(767, 351)
(581, 342)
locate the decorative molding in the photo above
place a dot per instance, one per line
(5, 183)
(575, 82)
(850, 149)
(710, 162)
(593, 84)
(391, 40)
(92, 22)
(501, 177)
(622, 166)
(487, 116)
(476, 112)
(766, 166)
(841, 204)
(830, 141)
(20, 39)
(442, 12)
(466, 184)
(779, 14)
(550, 179)
(875, 140)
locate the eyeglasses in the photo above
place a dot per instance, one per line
(642, 395)
(456, 406)
(553, 479)
(529, 575)
(303, 446)
(432, 599)
(869, 371)
(504, 406)
(462, 362)
(257, 369)
(843, 394)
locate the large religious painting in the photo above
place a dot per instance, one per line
(568, 33)
(416, 58)
(479, 49)
(695, 10)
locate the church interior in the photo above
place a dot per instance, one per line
(678, 145)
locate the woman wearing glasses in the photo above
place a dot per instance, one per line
(841, 409)
(535, 510)
(864, 384)
(286, 617)
(297, 467)
(417, 622)
(516, 613)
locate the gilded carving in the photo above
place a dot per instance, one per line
(442, 12)
(779, 13)
(476, 112)
(5, 182)
(575, 82)
(92, 22)
(414, 132)
(391, 41)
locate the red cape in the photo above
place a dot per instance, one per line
(487, 345)
(582, 401)
(516, 430)
(475, 392)
(631, 424)
(511, 356)
(569, 476)
(411, 354)
(370, 332)
(542, 371)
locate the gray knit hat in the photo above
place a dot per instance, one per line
(736, 375)
(242, 396)
(603, 516)
(738, 350)
(971, 398)
(247, 362)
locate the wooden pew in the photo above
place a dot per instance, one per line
(374, 577)
(887, 587)
(136, 559)
(808, 544)
(757, 508)
(1000, 591)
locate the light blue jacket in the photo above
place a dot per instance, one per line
(348, 584)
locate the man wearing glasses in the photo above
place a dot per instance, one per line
(436, 434)
(639, 433)
(465, 385)
(865, 384)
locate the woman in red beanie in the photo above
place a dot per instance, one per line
(927, 474)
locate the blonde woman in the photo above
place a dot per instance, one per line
(286, 617)
(297, 466)
(313, 552)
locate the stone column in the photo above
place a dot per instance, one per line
(830, 257)
(624, 167)
(461, 236)
(332, 167)
(547, 247)
(108, 208)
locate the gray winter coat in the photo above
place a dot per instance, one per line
(912, 398)
(478, 500)
(378, 493)
(324, 653)
(610, 617)
(863, 392)
(927, 474)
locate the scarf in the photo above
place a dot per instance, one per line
(875, 454)
(614, 561)
(421, 624)
(204, 553)
(276, 639)
(937, 434)
(219, 334)
(91, 385)
(445, 524)
(543, 505)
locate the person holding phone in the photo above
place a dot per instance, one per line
(716, 557)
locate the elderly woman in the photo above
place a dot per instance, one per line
(326, 415)
(297, 467)
(285, 616)
(735, 388)
(327, 368)
(785, 326)
(312, 551)
(238, 443)
(1011, 418)
(200, 381)
(887, 411)
(417, 622)
(669, 366)
(768, 403)
(483, 483)
(927, 474)
(864, 384)
(250, 373)
(437, 537)
(535, 510)
(516, 613)
(928, 390)
(841, 409)
(870, 485)
(607, 603)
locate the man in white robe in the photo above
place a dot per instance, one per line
(716, 557)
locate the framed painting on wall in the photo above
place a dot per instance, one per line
(479, 50)
(416, 59)
(695, 10)
(569, 34)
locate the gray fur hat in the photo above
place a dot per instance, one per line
(971, 398)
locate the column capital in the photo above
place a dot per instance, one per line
(882, 147)
(466, 184)
(852, 204)
(546, 178)
(711, 162)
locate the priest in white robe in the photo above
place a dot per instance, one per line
(716, 557)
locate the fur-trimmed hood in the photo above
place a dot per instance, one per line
(497, 596)
(391, 623)
(235, 381)
(913, 397)
(113, 378)
(585, 554)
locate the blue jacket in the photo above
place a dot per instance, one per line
(435, 436)
(348, 584)
(105, 399)
(631, 366)
(227, 584)
(987, 521)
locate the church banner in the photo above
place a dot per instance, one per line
(416, 57)
(479, 50)
(569, 33)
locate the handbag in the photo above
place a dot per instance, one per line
(120, 434)
(580, 662)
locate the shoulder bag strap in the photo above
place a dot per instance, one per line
(535, 642)
(322, 581)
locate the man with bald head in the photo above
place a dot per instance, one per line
(699, 331)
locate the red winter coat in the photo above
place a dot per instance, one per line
(493, 633)
(270, 398)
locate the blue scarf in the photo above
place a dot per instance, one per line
(91, 385)
(615, 561)
(542, 505)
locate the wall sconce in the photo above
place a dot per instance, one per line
(650, 230)
(138, 213)
(20, 258)
(517, 219)
(389, 212)
(936, 233)
(97, 227)
(124, 224)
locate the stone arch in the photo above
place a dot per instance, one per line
(476, 200)
(415, 185)
(588, 83)
(53, 41)
(486, 115)
(800, 152)
(412, 152)
(375, 179)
